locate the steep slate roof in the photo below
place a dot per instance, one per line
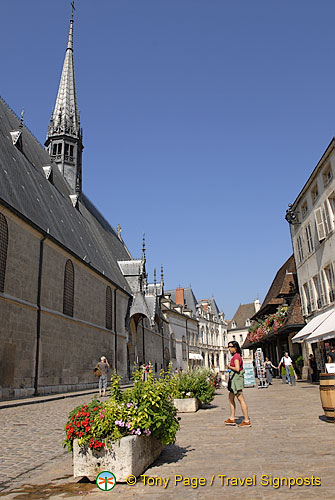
(280, 286)
(244, 312)
(24, 187)
(189, 298)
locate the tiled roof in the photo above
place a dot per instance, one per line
(25, 189)
(283, 284)
(244, 312)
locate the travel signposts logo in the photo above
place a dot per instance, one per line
(106, 480)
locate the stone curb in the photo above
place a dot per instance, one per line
(54, 397)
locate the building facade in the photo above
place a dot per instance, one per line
(238, 327)
(280, 317)
(70, 290)
(312, 223)
(209, 347)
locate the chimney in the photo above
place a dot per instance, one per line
(257, 305)
(180, 296)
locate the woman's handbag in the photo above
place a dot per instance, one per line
(229, 381)
(97, 371)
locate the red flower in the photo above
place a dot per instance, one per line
(87, 429)
(78, 424)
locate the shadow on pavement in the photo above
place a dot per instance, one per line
(171, 454)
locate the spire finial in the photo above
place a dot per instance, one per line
(73, 9)
(155, 281)
(21, 120)
(143, 248)
(119, 229)
(162, 276)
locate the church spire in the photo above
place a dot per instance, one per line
(64, 136)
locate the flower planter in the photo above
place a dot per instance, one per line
(132, 455)
(187, 405)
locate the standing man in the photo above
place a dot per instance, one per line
(104, 366)
(286, 362)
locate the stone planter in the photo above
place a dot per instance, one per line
(187, 405)
(132, 455)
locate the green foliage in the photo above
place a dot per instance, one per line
(299, 361)
(147, 409)
(197, 383)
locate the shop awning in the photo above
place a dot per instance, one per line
(194, 355)
(311, 327)
(325, 331)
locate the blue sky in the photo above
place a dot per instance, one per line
(202, 120)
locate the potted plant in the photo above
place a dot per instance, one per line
(191, 388)
(126, 433)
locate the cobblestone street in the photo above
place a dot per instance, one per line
(289, 438)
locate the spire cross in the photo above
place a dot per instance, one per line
(21, 120)
(73, 9)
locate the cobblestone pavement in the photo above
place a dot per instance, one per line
(289, 438)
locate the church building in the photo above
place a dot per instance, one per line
(70, 290)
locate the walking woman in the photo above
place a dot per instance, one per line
(236, 384)
(268, 370)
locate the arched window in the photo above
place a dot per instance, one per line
(184, 353)
(109, 308)
(3, 250)
(173, 346)
(68, 289)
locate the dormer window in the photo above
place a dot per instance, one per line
(233, 325)
(327, 175)
(315, 193)
(304, 209)
(247, 323)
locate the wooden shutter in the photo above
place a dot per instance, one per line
(320, 227)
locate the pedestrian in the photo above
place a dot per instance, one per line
(268, 370)
(313, 367)
(146, 370)
(331, 355)
(236, 384)
(286, 369)
(103, 366)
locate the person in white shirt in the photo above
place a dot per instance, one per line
(287, 363)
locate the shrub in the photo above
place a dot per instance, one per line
(198, 383)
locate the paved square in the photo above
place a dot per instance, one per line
(288, 438)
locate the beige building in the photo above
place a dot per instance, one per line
(238, 327)
(312, 224)
(208, 346)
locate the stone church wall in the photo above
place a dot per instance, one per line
(69, 347)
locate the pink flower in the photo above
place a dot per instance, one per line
(147, 432)
(138, 432)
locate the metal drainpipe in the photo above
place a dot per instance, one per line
(162, 332)
(115, 334)
(38, 322)
(143, 342)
